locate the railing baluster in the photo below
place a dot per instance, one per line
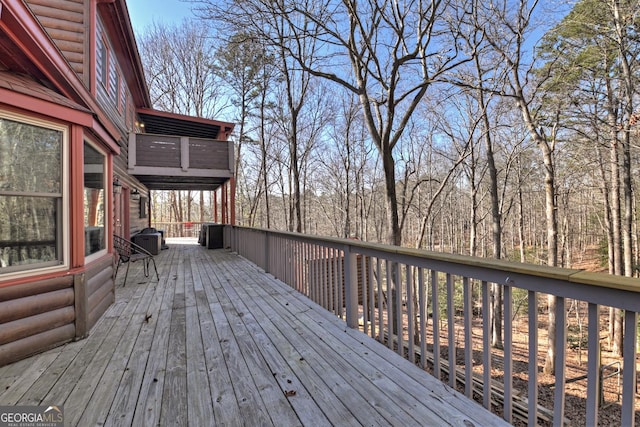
(423, 318)
(294, 263)
(337, 269)
(560, 361)
(486, 346)
(410, 314)
(275, 258)
(451, 329)
(629, 380)
(287, 266)
(389, 306)
(435, 307)
(313, 269)
(340, 269)
(532, 300)
(593, 370)
(468, 337)
(299, 266)
(380, 300)
(508, 354)
(318, 262)
(329, 289)
(363, 286)
(398, 301)
(324, 261)
(372, 301)
(331, 279)
(318, 284)
(304, 267)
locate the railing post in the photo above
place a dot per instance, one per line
(132, 151)
(236, 238)
(184, 153)
(351, 286)
(266, 252)
(629, 379)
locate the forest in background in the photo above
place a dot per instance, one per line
(504, 129)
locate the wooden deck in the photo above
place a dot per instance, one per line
(218, 342)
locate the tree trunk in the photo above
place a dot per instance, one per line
(496, 216)
(521, 237)
(394, 232)
(552, 252)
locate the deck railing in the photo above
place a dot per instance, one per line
(150, 154)
(431, 307)
(179, 229)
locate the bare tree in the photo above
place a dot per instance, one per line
(386, 54)
(178, 64)
(178, 68)
(504, 26)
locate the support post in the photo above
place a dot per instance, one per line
(224, 203)
(232, 201)
(215, 205)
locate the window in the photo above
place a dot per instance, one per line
(114, 81)
(94, 200)
(107, 73)
(122, 107)
(101, 60)
(31, 194)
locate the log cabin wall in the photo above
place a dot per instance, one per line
(100, 290)
(67, 23)
(43, 314)
(36, 316)
(137, 223)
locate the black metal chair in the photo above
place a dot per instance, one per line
(129, 252)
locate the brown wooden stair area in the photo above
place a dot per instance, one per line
(217, 341)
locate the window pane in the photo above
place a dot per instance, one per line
(94, 200)
(101, 60)
(30, 158)
(113, 80)
(28, 231)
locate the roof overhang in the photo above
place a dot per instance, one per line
(26, 48)
(164, 123)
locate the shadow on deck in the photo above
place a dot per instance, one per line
(218, 341)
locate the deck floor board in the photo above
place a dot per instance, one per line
(216, 341)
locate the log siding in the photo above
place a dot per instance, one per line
(100, 289)
(66, 21)
(35, 316)
(43, 314)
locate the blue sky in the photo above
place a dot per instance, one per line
(144, 12)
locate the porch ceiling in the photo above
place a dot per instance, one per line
(160, 182)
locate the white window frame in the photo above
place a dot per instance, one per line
(33, 269)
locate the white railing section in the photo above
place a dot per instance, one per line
(440, 306)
